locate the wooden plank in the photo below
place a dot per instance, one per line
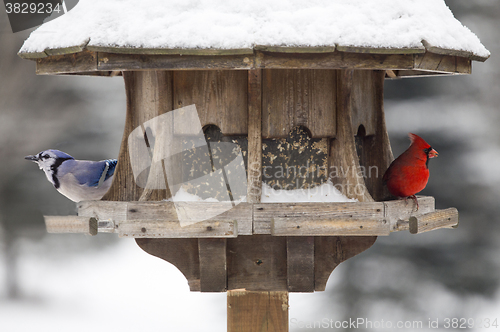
(81, 64)
(330, 251)
(264, 213)
(442, 63)
(399, 210)
(257, 311)
(343, 163)
(67, 50)
(254, 180)
(176, 51)
(374, 151)
(213, 271)
(84, 61)
(447, 218)
(220, 97)
(298, 49)
(172, 229)
(103, 210)
(364, 101)
(112, 61)
(380, 50)
(71, 224)
(257, 262)
(182, 253)
(32, 55)
(335, 60)
(300, 264)
(346, 226)
(196, 211)
(298, 98)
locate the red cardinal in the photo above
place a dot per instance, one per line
(409, 173)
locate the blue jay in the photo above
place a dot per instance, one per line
(79, 180)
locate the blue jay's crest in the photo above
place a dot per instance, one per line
(76, 179)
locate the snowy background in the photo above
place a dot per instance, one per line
(102, 283)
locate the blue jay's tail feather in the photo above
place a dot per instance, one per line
(111, 169)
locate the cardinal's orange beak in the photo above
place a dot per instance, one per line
(433, 153)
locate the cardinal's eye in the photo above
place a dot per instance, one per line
(427, 150)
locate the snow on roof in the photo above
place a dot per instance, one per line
(219, 24)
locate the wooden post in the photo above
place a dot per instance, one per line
(257, 311)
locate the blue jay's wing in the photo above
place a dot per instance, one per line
(89, 173)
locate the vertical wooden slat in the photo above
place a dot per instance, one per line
(375, 153)
(213, 272)
(300, 263)
(220, 97)
(364, 101)
(149, 94)
(344, 165)
(254, 183)
(257, 311)
(304, 97)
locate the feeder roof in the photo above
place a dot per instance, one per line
(217, 27)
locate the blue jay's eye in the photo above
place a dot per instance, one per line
(45, 156)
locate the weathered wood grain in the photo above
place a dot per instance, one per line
(344, 168)
(382, 50)
(406, 65)
(447, 218)
(71, 224)
(103, 210)
(84, 61)
(364, 101)
(300, 263)
(257, 311)
(196, 211)
(264, 213)
(173, 230)
(442, 63)
(254, 180)
(220, 97)
(257, 262)
(335, 60)
(293, 98)
(213, 271)
(400, 210)
(374, 151)
(125, 62)
(329, 227)
(68, 50)
(176, 51)
(292, 49)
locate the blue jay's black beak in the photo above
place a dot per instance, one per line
(32, 158)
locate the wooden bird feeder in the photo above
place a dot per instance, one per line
(263, 98)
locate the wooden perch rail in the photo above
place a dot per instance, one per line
(159, 219)
(71, 224)
(447, 218)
